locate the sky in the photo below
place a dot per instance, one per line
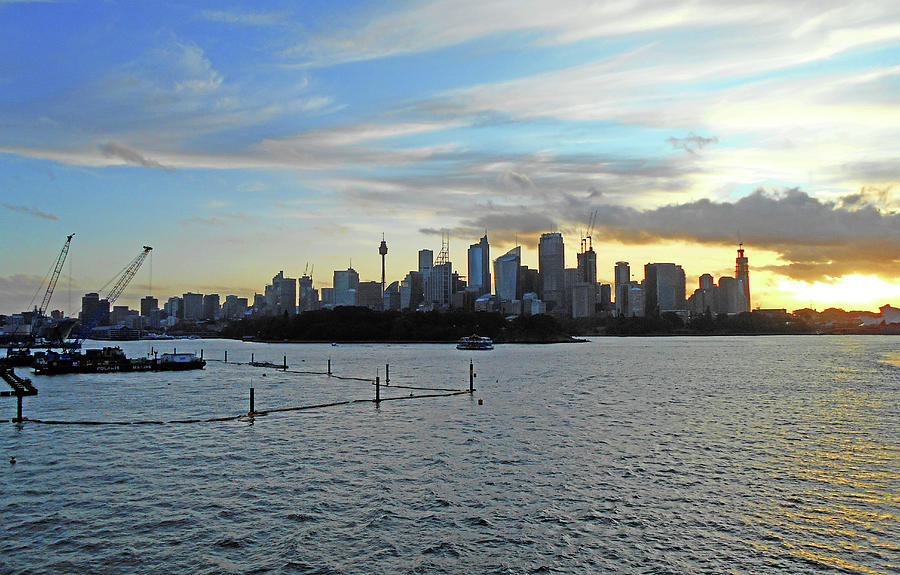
(241, 139)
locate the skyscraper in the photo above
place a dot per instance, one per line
(426, 260)
(742, 275)
(506, 275)
(309, 297)
(663, 288)
(622, 287)
(345, 284)
(552, 265)
(480, 266)
(193, 306)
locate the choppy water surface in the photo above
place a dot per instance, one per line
(669, 455)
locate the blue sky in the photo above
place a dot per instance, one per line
(241, 140)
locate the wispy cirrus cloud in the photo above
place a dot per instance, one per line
(245, 18)
(28, 210)
(130, 156)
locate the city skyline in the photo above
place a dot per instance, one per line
(240, 141)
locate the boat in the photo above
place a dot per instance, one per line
(178, 362)
(475, 342)
(111, 359)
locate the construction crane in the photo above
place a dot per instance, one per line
(586, 240)
(121, 283)
(45, 303)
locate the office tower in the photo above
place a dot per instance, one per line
(663, 288)
(480, 267)
(369, 294)
(706, 282)
(587, 266)
(552, 265)
(345, 284)
(174, 307)
(211, 306)
(742, 276)
(621, 285)
(506, 275)
(426, 260)
(89, 303)
(118, 315)
(392, 297)
(149, 304)
(412, 290)
(281, 295)
(309, 297)
(234, 307)
(193, 306)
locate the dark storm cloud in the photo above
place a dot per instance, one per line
(30, 211)
(130, 156)
(817, 238)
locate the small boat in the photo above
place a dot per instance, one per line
(178, 362)
(475, 342)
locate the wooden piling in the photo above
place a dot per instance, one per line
(251, 358)
(329, 366)
(377, 390)
(387, 374)
(284, 364)
(18, 408)
(252, 407)
(226, 356)
(201, 353)
(471, 377)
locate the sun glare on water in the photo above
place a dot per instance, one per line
(855, 291)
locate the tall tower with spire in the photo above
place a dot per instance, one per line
(382, 249)
(742, 275)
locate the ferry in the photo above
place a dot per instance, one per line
(475, 342)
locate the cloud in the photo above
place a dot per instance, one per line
(30, 211)
(130, 156)
(692, 143)
(818, 239)
(244, 18)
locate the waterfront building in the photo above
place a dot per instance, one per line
(506, 275)
(211, 306)
(552, 265)
(193, 306)
(118, 315)
(480, 266)
(664, 287)
(149, 304)
(91, 306)
(345, 284)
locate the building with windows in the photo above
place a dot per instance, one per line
(345, 284)
(506, 275)
(664, 287)
(193, 306)
(480, 267)
(552, 265)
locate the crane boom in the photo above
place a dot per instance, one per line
(55, 277)
(117, 289)
(127, 276)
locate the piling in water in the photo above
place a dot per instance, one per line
(252, 407)
(387, 374)
(377, 389)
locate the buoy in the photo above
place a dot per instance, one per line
(480, 402)
(12, 460)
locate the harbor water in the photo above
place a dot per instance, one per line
(631, 455)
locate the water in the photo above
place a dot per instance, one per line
(657, 455)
